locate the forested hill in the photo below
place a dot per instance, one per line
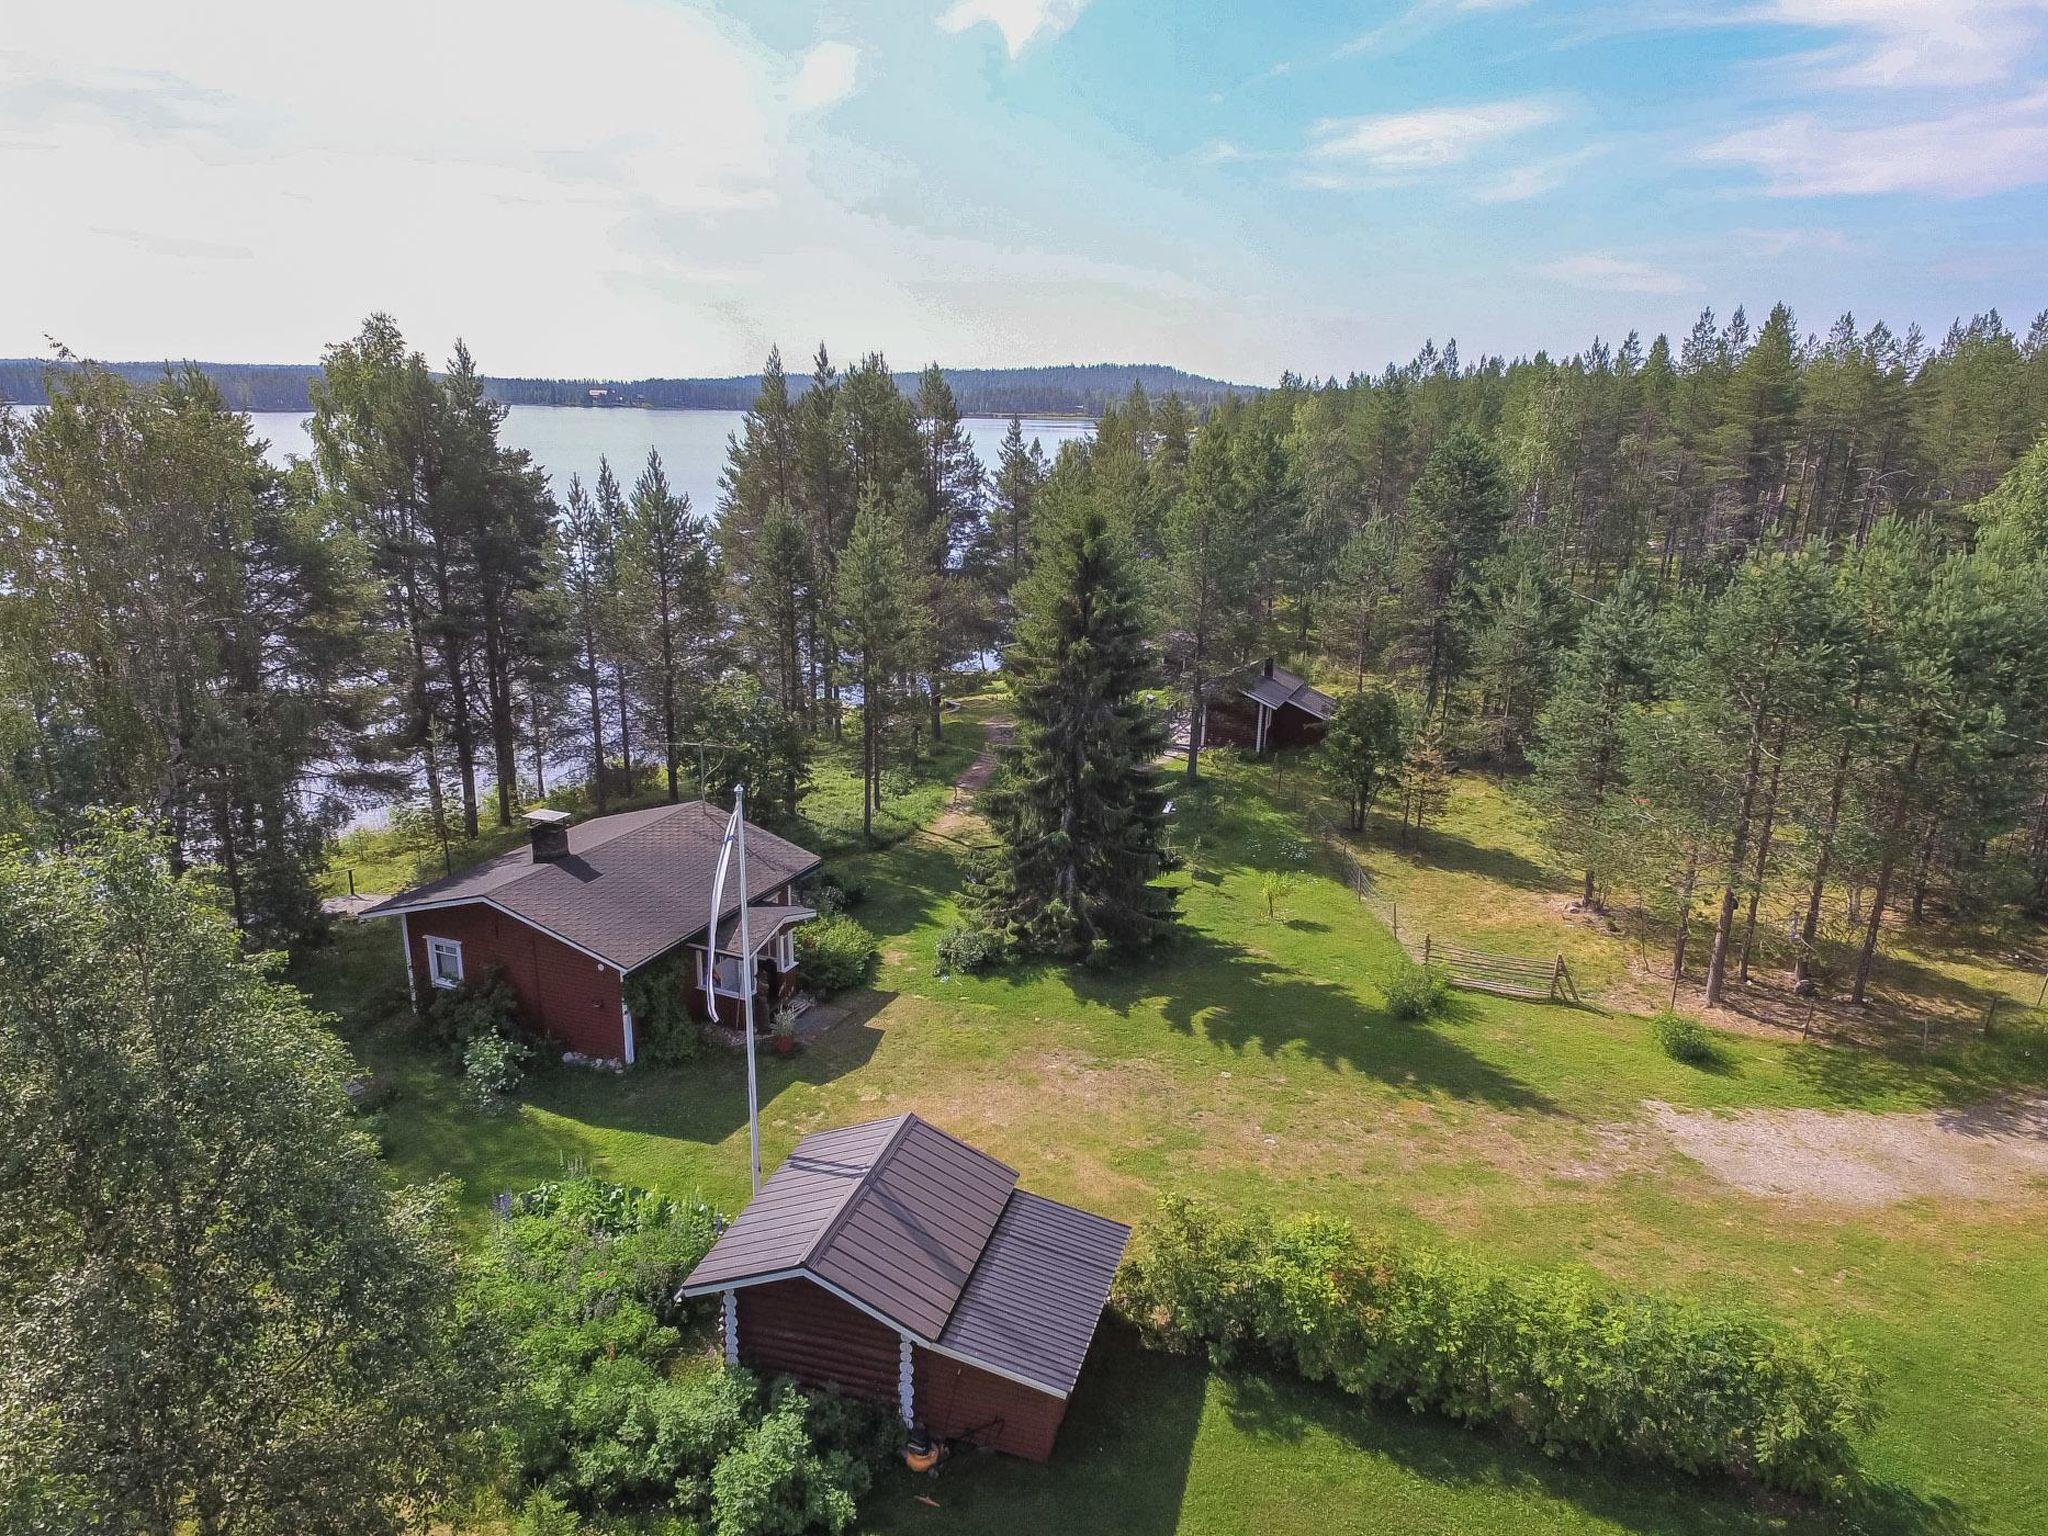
(1070, 390)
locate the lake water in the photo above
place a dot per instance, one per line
(568, 439)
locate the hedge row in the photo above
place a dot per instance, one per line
(1553, 1355)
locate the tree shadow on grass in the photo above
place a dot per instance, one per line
(1267, 1406)
(1246, 1002)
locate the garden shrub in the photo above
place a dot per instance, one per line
(1418, 991)
(664, 1030)
(830, 893)
(612, 1412)
(1686, 1040)
(834, 954)
(967, 949)
(482, 1005)
(785, 1477)
(493, 1067)
(1566, 1362)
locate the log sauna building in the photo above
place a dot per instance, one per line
(897, 1264)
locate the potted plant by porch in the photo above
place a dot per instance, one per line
(784, 1025)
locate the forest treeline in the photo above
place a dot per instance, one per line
(1065, 390)
(1757, 619)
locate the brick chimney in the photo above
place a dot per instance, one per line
(1267, 669)
(549, 834)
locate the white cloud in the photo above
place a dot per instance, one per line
(1769, 244)
(1429, 139)
(1894, 43)
(1990, 148)
(1524, 182)
(1614, 274)
(825, 77)
(1418, 21)
(1021, 22)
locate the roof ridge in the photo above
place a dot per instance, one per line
(831, 1228)
(604, 842)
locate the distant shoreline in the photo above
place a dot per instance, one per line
(1075, 392)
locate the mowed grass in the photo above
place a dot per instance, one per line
(1254, 1063)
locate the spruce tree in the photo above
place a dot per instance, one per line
(1079, 809)
(1580, 761)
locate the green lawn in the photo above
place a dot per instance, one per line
(1254, 1063)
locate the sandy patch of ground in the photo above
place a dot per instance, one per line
(1994, 1151)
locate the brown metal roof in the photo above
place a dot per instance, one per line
(632, 885)
(1274, 686)
(933, 1237)
(893, 1213)
(1031, 1306)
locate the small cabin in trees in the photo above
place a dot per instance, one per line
(1263, 706)
(895, 1263)
(579, 908)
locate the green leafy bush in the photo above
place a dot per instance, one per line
(834, 954)
(967, 949)
(1418, 991)
(1686, 1040)
(482, 1005)
(830, 893)
(493, 1067)
(779, 1481)
(1557, 1357)
(664, 1030)
(612, 1411)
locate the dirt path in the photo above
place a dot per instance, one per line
(1993, 1151)
(974, 778)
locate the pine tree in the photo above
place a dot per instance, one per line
(1211, 572)
(668, 560)
(949, 482)
(879, 622)
(587, 573)
(1454, 523)
(1581, 734)
(1020, 472)
(1078, 809)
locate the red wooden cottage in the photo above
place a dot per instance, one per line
(899, 1265)
(577, 909)
(1265, 705)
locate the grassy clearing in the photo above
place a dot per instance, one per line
(1255, 1064)
(1482, 876)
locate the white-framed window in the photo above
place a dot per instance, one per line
(444, 962)
(728, 976)
(785, 950)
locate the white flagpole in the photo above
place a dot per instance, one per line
(739, 814)
(735, 830)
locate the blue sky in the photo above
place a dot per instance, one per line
(651, 186)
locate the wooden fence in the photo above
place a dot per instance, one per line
(1480, 970)
(1476, 970)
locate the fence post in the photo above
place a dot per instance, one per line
(1556, 975)
(1425, 949)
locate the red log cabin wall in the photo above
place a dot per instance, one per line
(1232, 721)
(562, 990)
(803, 1330)
(957, 1401)
(1291, 727)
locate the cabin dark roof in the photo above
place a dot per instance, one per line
(935, 1238)
(1272, 685)
(630, 887)
(1032, 1303)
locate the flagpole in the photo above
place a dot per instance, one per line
(739, 811)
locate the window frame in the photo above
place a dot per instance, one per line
(439, 949)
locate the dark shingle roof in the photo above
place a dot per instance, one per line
(632, 886)
(935, 1238)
